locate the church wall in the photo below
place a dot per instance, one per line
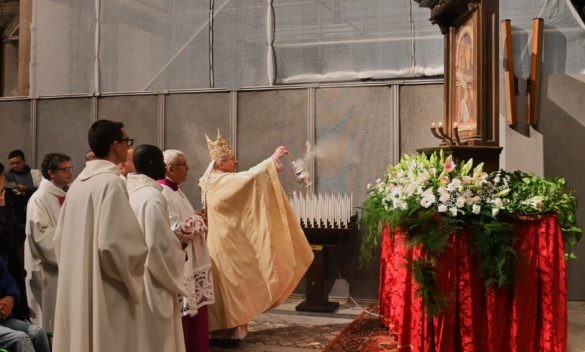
(354, 141)
(139, 114)
(187, 118)
(268, 119)
(420, 106)
(15, 127)
(556, 147)
(358, 124)
(62, 127)
(356, 127)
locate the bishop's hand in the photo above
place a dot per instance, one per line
(277, 156)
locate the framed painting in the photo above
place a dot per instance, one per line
(464, 78)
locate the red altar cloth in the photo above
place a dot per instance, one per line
(530, 315)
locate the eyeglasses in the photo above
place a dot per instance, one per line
(129, 141)
(66, 169)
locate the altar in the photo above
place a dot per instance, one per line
(528, 315)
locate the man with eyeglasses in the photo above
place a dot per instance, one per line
(101, 252)
(39, 254)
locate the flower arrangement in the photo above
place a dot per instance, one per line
(432, 198)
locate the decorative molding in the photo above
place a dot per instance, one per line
(161, 119)
(234, 120)
(270, 58)
(94, 109)
(395, 123)
(33, 130)
(211, 68)
(98, 6)
(311, 128)
(11, 29)
(435, 10)
(9, 8)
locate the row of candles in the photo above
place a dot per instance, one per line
(323, 210)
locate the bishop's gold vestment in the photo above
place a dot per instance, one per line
(258, 250)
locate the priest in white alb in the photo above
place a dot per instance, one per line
(101, 253)
(258, 250)
(160, 310)
(39, 253)
(190, 228)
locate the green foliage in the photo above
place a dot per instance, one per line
(374, 216)
(431, 199)
(493, 240)
(533, 195)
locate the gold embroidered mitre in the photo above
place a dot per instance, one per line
(219, 148)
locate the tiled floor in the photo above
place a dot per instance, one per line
(286, 330)
(576, 326)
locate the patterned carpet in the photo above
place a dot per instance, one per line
(299, 336)
(364, 334)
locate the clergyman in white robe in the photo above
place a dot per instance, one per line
(101, 253)
(160, 309)
(39, 254)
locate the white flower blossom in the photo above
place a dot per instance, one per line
(472, 200)
(476, 208)
(536, 202)
(453, 211)
(495, 211)
(368, 186)
(428, 198)
(442, 208)
(498, 203)
(444, 195)
(460, 202)
(454, 185)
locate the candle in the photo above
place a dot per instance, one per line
(455, 125)
(440, 124)
(433, 125)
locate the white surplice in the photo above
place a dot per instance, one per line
(160, 310)
(197, 275)
(101, 254)
(39, 253)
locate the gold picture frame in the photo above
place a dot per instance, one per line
(464, 78)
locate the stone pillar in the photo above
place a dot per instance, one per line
(26, 8)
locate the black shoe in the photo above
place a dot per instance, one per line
(225, 343)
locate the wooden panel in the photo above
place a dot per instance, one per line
(509, 91)
(188, 118)
(534, 99)
(420, 106)
(15, 127)
(353, 138)
(139, 113)
(268, 119)
(62, 126)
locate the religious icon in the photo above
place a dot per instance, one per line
(464, 100)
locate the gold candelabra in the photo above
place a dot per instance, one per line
(439, 133)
